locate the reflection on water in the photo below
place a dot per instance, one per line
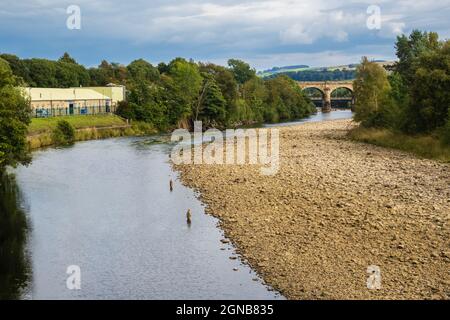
(14, 269)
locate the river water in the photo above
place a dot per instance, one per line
(105, 207)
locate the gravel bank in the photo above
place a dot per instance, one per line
(334, 208)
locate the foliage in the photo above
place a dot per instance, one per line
(430, 91)
(64, 133)
(416, 99)
(241, 70)
(319, 75)
(445, 133)
(141, 70)
(181, 88)
(211, 105)
(371, 91)
(14, 118)
(176, 94)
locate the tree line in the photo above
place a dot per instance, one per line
(177, 93)
(166, 96)
(415, 97)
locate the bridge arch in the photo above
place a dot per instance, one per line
(316, 99)
(342, 97)
(327, 87)
(315, 88)
(349, 89)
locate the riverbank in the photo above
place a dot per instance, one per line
(87, 127)
(427, 146)
(335, 208)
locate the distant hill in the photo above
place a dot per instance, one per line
(306, 73)
(276, 70)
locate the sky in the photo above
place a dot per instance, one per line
(265, 33)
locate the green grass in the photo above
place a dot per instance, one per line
(43, 125)
(426, 146)
(90, 128)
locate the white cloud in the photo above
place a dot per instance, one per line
(247, 27)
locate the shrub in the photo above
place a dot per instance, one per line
(64, 133)
(126, 110)
(445, 133)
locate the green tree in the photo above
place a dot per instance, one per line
(409, 49)
(42, 72)
(255, 96)
(429, 103)
(64, 133)
(227, 84)
(371, 91)
(14, 119)
(211, 105)
(18, 67)
(285, 100)
(141, 70)
(67, 59)
(241, 70)
(182, 87)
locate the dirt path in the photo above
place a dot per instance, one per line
(335, 208)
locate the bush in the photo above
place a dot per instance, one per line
(64, 133)
(126, 110)
(445, 133)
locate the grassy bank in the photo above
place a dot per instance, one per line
(89, 127)
(426, 146)
(43, 125)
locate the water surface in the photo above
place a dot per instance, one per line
(105, 206)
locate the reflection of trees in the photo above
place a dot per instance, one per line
(14, 267)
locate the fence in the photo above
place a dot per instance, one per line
(68, 111)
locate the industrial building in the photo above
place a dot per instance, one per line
(52, 102)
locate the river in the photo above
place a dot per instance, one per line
(105, 207)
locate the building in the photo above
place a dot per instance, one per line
(52, 102)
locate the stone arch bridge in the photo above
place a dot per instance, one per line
(326, 88)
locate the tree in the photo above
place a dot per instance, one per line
(241, 70)
(42, 72)
(255, 95)
(371, 89)
(67, 58)
(14, 119)
(409, 49)
(285, 100)
(18, 67)
(429, 103)
(211, 105)
(227, 84)
(163, 68)
(141, 70)
(182, 86)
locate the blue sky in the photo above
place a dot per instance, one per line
(264, 33)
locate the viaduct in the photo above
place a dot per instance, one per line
(326, 88)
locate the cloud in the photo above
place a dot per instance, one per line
(212, 28)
